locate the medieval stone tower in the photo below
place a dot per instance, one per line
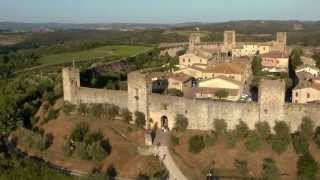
(194, 39)
(282, 40)
(139, 90)
(271, 100)
(229, 39)
(71, 83)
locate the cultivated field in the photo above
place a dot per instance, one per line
(11, 39)
(118, 51)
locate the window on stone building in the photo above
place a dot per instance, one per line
(297, 94)
(308, 95)
(189, 60)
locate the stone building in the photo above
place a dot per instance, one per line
(306, 92)
(180, 81)
(219, 52)
(209, 87)
(312, 70)
(229, 40)
(308, 88)
(275, 61)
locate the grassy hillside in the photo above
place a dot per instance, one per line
(105, 51)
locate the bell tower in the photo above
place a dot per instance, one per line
(194, 39)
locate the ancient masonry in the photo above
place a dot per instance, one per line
(200, 113)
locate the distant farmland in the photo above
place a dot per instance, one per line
(101, 52)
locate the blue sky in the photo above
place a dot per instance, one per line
(155, 11)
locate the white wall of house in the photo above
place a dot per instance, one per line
(188, 60)
(218, 83)
(305, 95)
(314, 71)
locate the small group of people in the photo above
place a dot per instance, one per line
(164, 129)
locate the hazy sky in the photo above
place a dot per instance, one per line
(155, 11)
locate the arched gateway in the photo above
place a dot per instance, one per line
(164, 123)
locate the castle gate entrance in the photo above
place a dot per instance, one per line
(164, 123)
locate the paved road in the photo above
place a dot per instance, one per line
(164, 155)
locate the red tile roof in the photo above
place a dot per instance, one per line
(180, 77)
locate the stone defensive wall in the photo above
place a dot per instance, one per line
(295, 112)
(99, 96)
(200, 113)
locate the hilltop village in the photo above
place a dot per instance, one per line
(224, 70)
(210, 79)
(239, 83)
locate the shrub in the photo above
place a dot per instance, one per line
(126, 115)
(242, 130)
(81, 150)
(220, 126)
(35, 140)
(210, 139)
(46, 105)
(68, 108)
(231, 139)
(300, 143)
(316, 137)
(111, 172)
(253, 142)
(270, 170)
(105, 144)
(220, 94)
(93, 137)
(174, 140)
(96, 152)
(278, 144)
(307, 127)
(140, 119)
(67, 149)
(96, 110)
(82, 109)
(307, 167)
(52, 114)
(196, 144)
(241, 167)
(111, 111)
(256, 65)
(181, 122)
(263, 130)
(79, 132)
(281, 140)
